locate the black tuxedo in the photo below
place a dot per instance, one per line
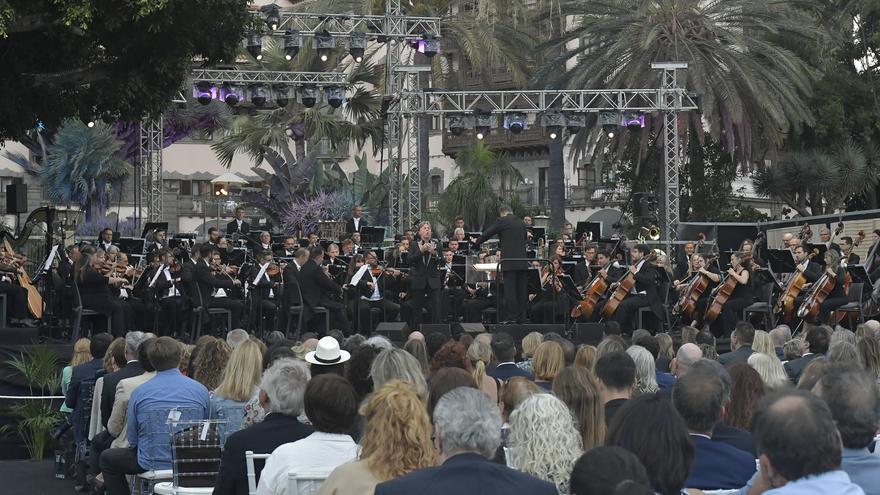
(232, 227)
(389, 309)
(740, 355)
(314, 284)
(261, 438)
(645, 282)
(171, 307)
(349, 226)
(425, 281)
(511, 232)
(267, 295)
(795, 367)
(206, 281)
(852, 259)
(466, 474)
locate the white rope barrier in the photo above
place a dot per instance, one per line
(31, 397)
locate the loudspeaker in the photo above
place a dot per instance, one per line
(589, 333)
(470, 328)
(16, 199)
(518, 332)
(429, 328)
(395, 331)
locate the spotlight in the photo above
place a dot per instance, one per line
(516, 122)
(272, 15)
(356, 44)
(292, 44)
(204, 92)
(456, 124)
(90, 123)
(231, 94)
(324, 44)
(335, 95)
(633, 120)
(482, 123)
(609, 121)
(259, 95)
(281, 93)
(308, 95)
(429, 45)
(574, 122)
(552, 122)
(255, 45)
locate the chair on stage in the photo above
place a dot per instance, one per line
(763, 305)
(854, 306)
(79, 312)
(199, 311)
(297, 310)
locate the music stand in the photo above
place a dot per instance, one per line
(372, 235)
(594, 229)
(538, 233)
(781, 260)
(153, 226)
(533, 281)
(860, 275)
(131, 246)
(818, 252)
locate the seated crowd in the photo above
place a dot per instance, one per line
(485, 414)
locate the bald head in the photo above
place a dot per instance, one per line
(416, 336)
(687, 355)
(311, 344)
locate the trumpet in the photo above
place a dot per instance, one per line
(651, 233)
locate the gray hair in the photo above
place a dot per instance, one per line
(843, 352)
(842, 335)
(285, 385)
(379, 342)
(646, 370)
(770, 369)
(709, 366)
(397, 364)
(468, 421)
(236, 337)
(780, 335)
(133, 341)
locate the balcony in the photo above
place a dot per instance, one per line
(531, 140)
(596, 195)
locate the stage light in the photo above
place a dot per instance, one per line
(633, 120)
(281, 93)
(324, 43)
(516, 122)
(357, 42)
(574, 122)
(335, 95)
(259, 95)
(255, 45)
(482, 123)
(429, 45)
(292, 44)
(552, 122)
(609, 121)
(204, 92)
(90, 123)
(272, 15)
(456, 124)
(308, 95)
(231, 94)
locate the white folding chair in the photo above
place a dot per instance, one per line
(249, 457)
(305, 483)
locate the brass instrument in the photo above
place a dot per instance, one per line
(652, 233)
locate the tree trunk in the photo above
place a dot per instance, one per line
(557, 185)
(697, 183)
(300, 147)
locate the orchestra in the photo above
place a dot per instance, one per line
(353, 281)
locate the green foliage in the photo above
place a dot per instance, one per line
(370, 191)
(483, 178)
(36, 418)
(83, 167)
(123, 59)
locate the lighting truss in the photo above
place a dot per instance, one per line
(391, 26)
(233, 76)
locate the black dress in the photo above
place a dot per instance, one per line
(741, 298)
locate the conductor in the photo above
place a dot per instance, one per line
(511, 232)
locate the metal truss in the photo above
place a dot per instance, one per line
(670, 105)
(390, 25)
(536, 101)
(149, 186)
(269, 77)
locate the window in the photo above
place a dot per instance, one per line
(583, 175)
(436, 184)
(542, 185)
(185, 188)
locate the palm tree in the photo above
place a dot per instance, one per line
(816, 182)
(483, 178)
(83, 166)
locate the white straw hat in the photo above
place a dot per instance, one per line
(327, 353)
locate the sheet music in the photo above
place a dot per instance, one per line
(263, 269)
(52, 254)
(156, 276)
(360, 273)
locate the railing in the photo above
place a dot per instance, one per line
(595, 195)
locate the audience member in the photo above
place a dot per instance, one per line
(792, 349)
(746, 389)
(549, 360)
(699, 398)
(869, 356)
(812, 373)
(148, 410)
(328, 358)
(689, 335)
(687, 355)
(504, 354)
(417, 348)
(117, 425)
(854, 402)
(780, 335)
(240, 383)
(568, 348)
(617, 381)
(397, 364)
(649, 427)
(452, 355)
(210, 361)
(434, 341)
(763, 343)
(379, 341)
(770, 370)
(586, 357)
(579, 390)
(514, 392)
(817, 340)
(281, 395)
(479, 355)
(646, 375)
(610, 344)
(81, 355)
(467, 427)
(443, 381)
(723, 432)
(799, 448)
(741, 344)
(87, 371)
(529, 344)
(331, 406)
(842, 335)
(237, 336)
(666, 354)
(357, 370)
(544, 441)
(396, 441)
(843, 353)
(709, 352)
(609, 470)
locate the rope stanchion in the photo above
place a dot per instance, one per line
(31, 397)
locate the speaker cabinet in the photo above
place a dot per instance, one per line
(395, 331)
(589, 333)
(16, 199)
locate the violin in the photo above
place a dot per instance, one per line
(273, 270)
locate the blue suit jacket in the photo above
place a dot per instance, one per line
(719, 466)
(466, 474)
(507, 371)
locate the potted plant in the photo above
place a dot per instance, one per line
(36, 418)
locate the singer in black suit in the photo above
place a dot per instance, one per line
(511, 231)
(425, 277)
(355, 223)
(238, 225)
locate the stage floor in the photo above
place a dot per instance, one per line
(33, 478)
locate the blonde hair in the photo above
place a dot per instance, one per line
(185, 356)
(479, 354)
(586, 357)
(111, 357)
(771, 371)
(81, 352)
(548, 361)
(531, 342)
(210, 361)
(665, 341)
(579, 389)
(397, 432)
(242, 372)
(763, 343)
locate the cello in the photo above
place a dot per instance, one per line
(597, 288)
(793, 288)
(687, 303)
(818, 293)
(623, 288)
(721, 294)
